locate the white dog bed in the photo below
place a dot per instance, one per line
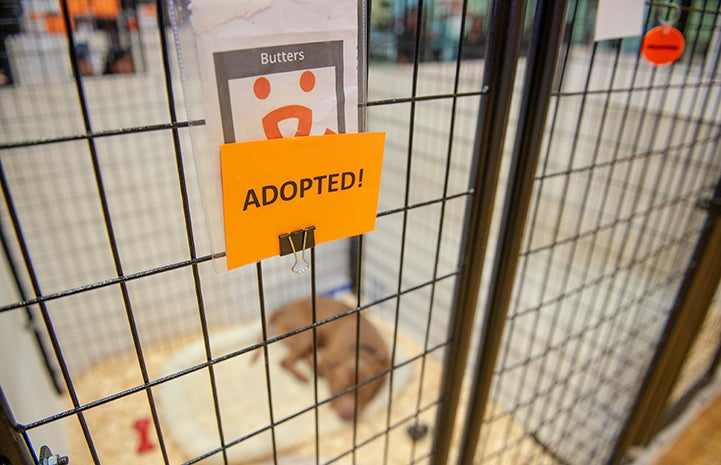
(116, 440)
(187, 405)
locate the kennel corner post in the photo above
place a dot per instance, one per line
(686, 317)
(504, 41)
(12, 447)
(545, 44)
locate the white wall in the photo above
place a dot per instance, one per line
(23, 378)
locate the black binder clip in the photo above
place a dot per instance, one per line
(297, 240)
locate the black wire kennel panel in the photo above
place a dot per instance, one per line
(108, 257)
(629, 150)
(104, 228)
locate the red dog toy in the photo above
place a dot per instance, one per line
(142, 427)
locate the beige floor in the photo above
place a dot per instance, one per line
(700, 442)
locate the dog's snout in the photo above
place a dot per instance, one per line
(345, 409)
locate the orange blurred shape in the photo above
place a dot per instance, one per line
(77, 7)
(55, 24)
(106, 9)
(147, 10)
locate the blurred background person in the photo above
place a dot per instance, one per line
(10, 14)
(474, 42)
(406, 40)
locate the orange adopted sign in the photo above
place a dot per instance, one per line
(663, 45)
(274, 187)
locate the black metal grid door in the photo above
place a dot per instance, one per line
(111, 267)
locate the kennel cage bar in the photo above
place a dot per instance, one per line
(687, 315)
(703, 381)
(12, 447)
(503, 49)
(546, 38)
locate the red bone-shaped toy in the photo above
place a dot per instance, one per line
(141, 426)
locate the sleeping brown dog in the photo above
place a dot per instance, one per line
(336, 342)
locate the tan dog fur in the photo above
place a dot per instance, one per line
(336, 341)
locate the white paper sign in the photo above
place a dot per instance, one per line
(277, 68)
(619, 18)
(271, 69)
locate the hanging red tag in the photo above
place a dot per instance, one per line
(662, 45)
